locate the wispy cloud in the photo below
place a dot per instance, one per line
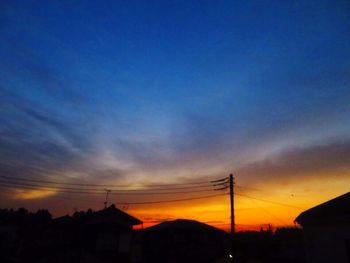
(329, 159)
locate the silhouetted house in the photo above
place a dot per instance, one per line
(327, 231)
(105, 235)
(182, 241)
(110, 230)
(64, 232)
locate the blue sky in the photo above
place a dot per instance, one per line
(128, 91)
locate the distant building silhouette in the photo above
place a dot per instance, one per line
(102, 236)
(327, 231)
(105, 234)
(183, 240)
(20, 232)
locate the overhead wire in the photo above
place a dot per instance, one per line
(24, 183)
(268, 201)
(171, 200)
(269, 213)
(33, 184)
(146, 185)
(121, 191)
(8, 185)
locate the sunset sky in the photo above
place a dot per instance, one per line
(167, 92)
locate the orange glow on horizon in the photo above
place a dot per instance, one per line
(276, 203)
(287, 202)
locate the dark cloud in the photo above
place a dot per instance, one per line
(331, 159)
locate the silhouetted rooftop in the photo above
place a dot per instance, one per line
(112, 213)
(336, 210)
(185, 224)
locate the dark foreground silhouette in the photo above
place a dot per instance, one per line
(108, 236)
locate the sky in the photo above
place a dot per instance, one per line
(158, 92)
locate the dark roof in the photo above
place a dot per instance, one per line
(110, 214)
(185, 225)
(113, 214)
(336, 210)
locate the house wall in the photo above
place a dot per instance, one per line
(327, 243)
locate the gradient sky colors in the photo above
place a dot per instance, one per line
(175, 91)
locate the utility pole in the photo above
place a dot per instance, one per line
(107, 194)
(232, 203)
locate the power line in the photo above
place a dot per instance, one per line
(111, 186)
(100, 191)
(170, 201)
(248, 188)
(268, 201)
(269, 213)
(163, 193)
(10, 185)
(190, 184)
(48, 186)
